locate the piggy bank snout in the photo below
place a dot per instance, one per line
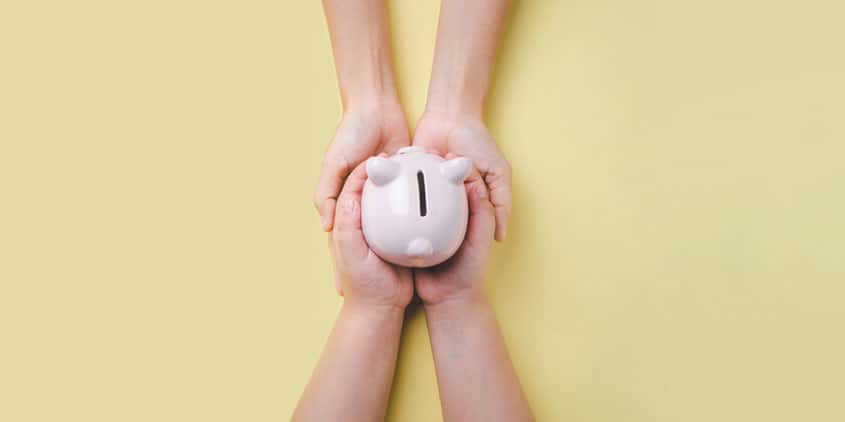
(419, 248)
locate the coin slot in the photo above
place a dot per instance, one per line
(421, 190)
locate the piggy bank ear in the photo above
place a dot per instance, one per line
(381, 170)
(456, 169)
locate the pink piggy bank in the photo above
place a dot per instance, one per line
(414, 207)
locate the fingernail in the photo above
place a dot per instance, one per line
(350, 207)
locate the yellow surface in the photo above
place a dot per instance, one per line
(677, 251)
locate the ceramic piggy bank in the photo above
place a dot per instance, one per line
(414, 207)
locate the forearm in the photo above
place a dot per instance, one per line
(467, 38)
(352, 380)
(475, 376)
(361, 46)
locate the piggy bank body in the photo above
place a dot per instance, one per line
(414, 207)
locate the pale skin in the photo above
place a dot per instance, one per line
(467, 39)
(353, 377)
(475, 376)
(373, 120)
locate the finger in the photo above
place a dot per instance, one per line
(501, 200)
(352, 189)
(338, 286)
(349, 239)
(327, 213)
(482, 220)
(499, 183)
(331, 179)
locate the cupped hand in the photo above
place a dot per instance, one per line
(362, 133)
(361, 277)
(461, 276)
(469, 137)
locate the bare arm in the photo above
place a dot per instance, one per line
(476, 378)
(352, 380)
(361, 47)
(373, 120)
(467, 39)
(474, 373)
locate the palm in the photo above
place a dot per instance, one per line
(379, 282)
(360, 275)
(470, 138)
(360, 135)
(457, 275)
(463, 272)
(394, 285)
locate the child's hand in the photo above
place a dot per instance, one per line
(361, 277)
(461, 276)
(362, 132)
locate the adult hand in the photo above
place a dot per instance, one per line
(360, 275)
(362, 133)
(461, 276)
(468, 136)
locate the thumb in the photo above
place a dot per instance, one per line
(329, 184)
(347, 233)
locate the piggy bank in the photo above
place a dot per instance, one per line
(414, 207)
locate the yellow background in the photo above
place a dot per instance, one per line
(677, 251)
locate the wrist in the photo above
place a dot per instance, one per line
(456, 91)
(451, 117)
(456, 310)
(463, 299)
(453, 107)
(370, 99)
(368, 87)
(373, 103)
(373, 311)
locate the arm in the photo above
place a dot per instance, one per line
(361, 48)
(373, 120)
(475, 376)
(352, 380)
(467, 39)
